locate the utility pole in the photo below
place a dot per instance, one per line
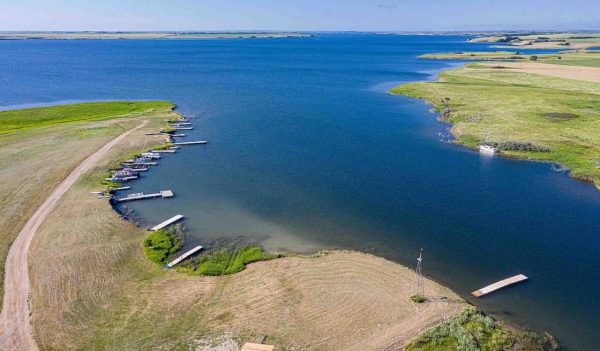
(419, 286)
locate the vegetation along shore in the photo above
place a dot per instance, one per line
(535, 107)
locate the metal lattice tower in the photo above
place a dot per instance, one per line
(419, 286)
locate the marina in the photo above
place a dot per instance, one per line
(183, 257)
(499, 285)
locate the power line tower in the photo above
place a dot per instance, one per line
(419, 286)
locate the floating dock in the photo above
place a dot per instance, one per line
(191, 142)
(131, 162)
(183, 128)
(178, 135)
(166, 223)
(142, 196)
(181, 124)
(165, 151)
(499, 285)
(183, 257)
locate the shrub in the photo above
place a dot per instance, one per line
(418, 298)
(159, 245)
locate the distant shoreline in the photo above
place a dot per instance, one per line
(100, 35)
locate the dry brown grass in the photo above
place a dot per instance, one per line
(93, 289)
(589, 74)
(33, 163)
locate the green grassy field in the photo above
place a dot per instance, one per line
(571, 58)
(18, 120)
(65, 135)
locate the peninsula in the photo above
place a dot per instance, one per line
(535, 107)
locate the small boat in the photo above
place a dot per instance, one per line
(151, 155)
(487, 150)
(134, 168)
(124, 174)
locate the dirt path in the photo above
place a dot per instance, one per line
(589, 74)
(16, 332)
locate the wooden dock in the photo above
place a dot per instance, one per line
(142, 196)
(192, 142)
(183, 257)
(166, 223)
(120, 188)
(499, 285)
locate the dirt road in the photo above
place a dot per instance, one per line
(15, 328)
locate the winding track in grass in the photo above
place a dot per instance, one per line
(15, 328)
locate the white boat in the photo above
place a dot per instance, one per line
(487, 150)
(152, 155)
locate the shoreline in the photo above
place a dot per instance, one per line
(346, 267)
(454, 116)
(178, 35)
(515, 328)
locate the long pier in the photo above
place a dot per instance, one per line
(191, 142)
(499, 285)
(183, 257)
(166, 223)
(142, 196)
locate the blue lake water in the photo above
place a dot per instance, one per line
(308, 151)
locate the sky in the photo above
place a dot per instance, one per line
(299, 15)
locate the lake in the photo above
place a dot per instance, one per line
(308, 151)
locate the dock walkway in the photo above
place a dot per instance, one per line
(191, 142)
(499, 285)
(142, 196)
(167, 223)
(183, 257)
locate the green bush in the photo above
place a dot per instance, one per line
(418, 298)
(161, 244)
